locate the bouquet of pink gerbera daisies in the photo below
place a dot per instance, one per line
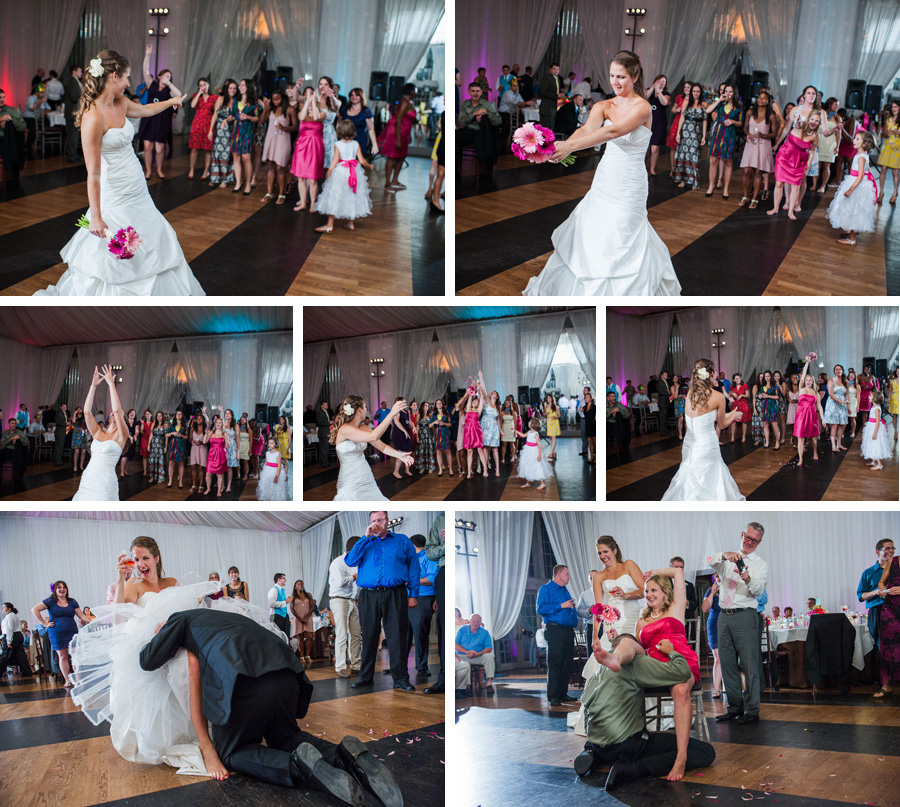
(811, 356)
(535, 144)
(123, 245)
(606, 613)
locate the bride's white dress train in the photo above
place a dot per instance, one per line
(356, 482)
(99, 483)
(149, 712)
(702, 476)
(607, 246)
(158, 267)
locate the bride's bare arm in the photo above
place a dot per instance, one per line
(91, 135)
(637, 114)
(595, 121)
(133, 110)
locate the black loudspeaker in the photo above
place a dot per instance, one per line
(881, 368)
(873, 99)
(523, 396)
(856, 93)
(261, 411)
(266, 82)
(868, 360)
(198, 406)
(743, 86)
(273, 415)
(535, 393)
(459, 394)
(395, 89)
(284, 76)
(378, 85)
(758, 80)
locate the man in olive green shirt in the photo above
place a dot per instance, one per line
(14, 449)
(475, 114)
(615, 725)
(9, 117)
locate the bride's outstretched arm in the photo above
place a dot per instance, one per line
(89, 419)
(634, 117)
(133, 110)
(110, 377)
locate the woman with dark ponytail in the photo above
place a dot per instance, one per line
(118, 198)
(627, 257)
(14, 653)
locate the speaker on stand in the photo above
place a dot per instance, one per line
(535, 393)
(261, 412)
(273, 415)
(378, 85)
(872, 103)
(758, 80)
(881, 368)
(523, 395)
(395, 89)
(856, 94)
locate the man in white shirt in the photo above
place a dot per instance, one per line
(583, 87)
(744, 576)
(343, 594)
(277, 600)
(573, 410)
(55, 89)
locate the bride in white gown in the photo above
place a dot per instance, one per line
(350, 436)
(119, 198)
(607, 246)
(98, 482)
(703, 476)
(621, 585)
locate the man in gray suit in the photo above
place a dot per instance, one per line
(59, 436)
(72, 98)
(323, 429)
(550, 89)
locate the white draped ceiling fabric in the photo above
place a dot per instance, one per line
(693, 326)
(499, 572)
(408, 28)
(876, 56)
(801, 550)
(686, 44)
(636, 346)
(125, 30)
(512, 351)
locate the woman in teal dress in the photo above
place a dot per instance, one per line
(245, 112)
(81, 437)
(678, 392)
(176, 447)
(768, 409)
(727, 115)
(442, 439)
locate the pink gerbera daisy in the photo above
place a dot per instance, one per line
(529, 137)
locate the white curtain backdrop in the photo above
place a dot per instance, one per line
(407, 31)
(636, 346)
(275, 367)
(315, 360)
(693, 325)
(417, 371)
(208, 26)
(353, 359)
(681, 46)
(601, 27)
(315, 556)
(125, 29)
(573, 545)
(201, 362)
(294, 29)
(348, 31)
(771, 31)
(538, 340)
(89, 357)
(717, 42)
(882, 334)
(241, 38)
(809, 554)
(583, 338)
(500, 357)
(462, 348)
(499, 572)
(153, 363)
(752, 327)
(54, 366)
(807, 328)
(415, 522)
(876, 56)
(22, 373)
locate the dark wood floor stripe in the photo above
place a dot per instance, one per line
(28, 732)
(638, 452)
(523, 175)
(808, 483)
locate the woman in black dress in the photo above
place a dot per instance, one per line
(156, 131)
(130, 451)
(658, 97)
(401, 438)
(590, 427)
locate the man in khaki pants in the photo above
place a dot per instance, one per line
(342, 586)
(474, 646)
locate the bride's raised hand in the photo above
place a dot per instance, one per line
(177, 101)
(97, 379)
(108, 375)
(121, 567)
(398, 407)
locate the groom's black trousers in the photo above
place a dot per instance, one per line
(262, 709)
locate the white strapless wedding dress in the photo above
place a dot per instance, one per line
(148, 712)
(607, 246)
(158, 267)
(99, 482)
(630, 611)
(702, 476)
(356, 483)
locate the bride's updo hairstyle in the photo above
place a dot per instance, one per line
(701, 388)
(609, 541)
(93, 86)
(149, 544)
(354, 402)
(668, 590)
(632, 64)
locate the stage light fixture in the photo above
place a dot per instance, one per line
(632, 30)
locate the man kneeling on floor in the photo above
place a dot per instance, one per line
(615, 725)
(254, 688)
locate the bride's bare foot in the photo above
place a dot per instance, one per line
(607, 659)
(677, 771)
(214, 766)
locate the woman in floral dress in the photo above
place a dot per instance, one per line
(768, 409)
(221, 127)
(426, 461)
(690, 137)
(80, 439)
(157, 458)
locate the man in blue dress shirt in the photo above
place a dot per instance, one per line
(867, 592)
(473, 644)
(388, 578)
(420, 617)
(556, 606)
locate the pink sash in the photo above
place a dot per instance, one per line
(271, 464)
(351, 164)
(871, 179)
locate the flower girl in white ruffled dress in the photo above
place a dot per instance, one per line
(346, 191)
(273, 484)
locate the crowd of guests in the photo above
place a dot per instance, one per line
(480, 431)
(208, 448)
(830, 408)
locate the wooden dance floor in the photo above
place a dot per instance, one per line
(43, 482)
(644, 472)
(51, 755)
(573, 480)
(503, 230)
(234, 243)
(808, 750)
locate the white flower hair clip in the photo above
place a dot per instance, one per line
(96, 68)
(347, 410)
(703, 373)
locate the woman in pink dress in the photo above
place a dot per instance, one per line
(473, 437)
(660, 630)
(282, 120)
(809, 414)
(199, 452)
(761, 127)
(257, 447)
(309, 152)
(394, 140)
(794, 158)
(200, 139)
(217, 459)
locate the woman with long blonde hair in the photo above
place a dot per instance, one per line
(702, 475)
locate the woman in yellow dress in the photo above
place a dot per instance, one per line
(894, 396)
(890, 151)
(551, 416)
(283, 435)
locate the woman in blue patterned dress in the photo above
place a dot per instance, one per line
(691, 137)
(61, 612)
(836, 413)
(232, 439)
(727, 114)
(245, 114)
(442, 439)
(81, 437)
(176, 447)
(769, 409)
(425, 459)
(157, 459)
(221, 128)
(490, 428)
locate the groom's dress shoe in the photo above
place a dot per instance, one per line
(354, 757)
(310, 769)
(621, 772)
(583, 762)
(745, 719)
(729, 716)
